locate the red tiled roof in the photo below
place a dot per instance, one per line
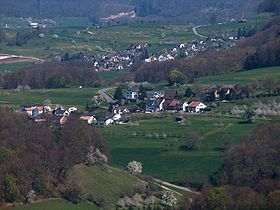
(28, 109)
(174, 103)
(194, 104)
(85, 117)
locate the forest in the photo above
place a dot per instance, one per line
(36, 156)
(250, 177)
(51, 75)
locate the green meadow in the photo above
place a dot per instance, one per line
(243, 76)
(254, 21)
(64, 96)
(147, 142)
(103, 40)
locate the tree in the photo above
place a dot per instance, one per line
(175, 76)
(193, 142)
(189, 92)
(168, 198)
(134, 167)
(10, 189)
(118, 94)
(226, 140)
(247, 117)
(142, 92)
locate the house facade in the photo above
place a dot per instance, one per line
(195, 107)
(131, 94)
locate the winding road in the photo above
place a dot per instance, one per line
(198, 34)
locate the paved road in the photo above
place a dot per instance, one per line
(107, 96)
(186, 189)
(198, 34)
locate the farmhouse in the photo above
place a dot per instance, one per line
(173, 105)
(89, 118)
(195, 107)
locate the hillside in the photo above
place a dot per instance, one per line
(103, 183)
(173, 11)
(243, 77)
(196, 11)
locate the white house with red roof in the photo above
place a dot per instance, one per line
(195, 107)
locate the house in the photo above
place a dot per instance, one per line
(59, 112)
(120, 109)
(173, 105)
(155, 105)
(131, 93)
(89, 118)
(72, 109)
(195, 107)
(152, 95)
(171, 95)
(33, 111)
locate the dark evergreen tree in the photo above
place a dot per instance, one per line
(142, 92)
(189, 92)
(118, 94)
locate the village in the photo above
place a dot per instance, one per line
(134, 101)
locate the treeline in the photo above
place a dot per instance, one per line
(51, 75)
(63, 8)
(36, 156)
(260, 50)
(250, 178)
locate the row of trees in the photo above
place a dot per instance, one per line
(51, 75)
(36, 156)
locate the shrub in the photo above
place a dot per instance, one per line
(168, 198)
(134, 167)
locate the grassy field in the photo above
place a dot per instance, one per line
(115, 38)
(65, 96)
(142, 143)
(256, 21)
(57, 205)
(243, 77)
(14, 66)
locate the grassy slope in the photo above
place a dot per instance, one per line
(243, 77)
(109, 184)
(257, 21)
(176, 165)
(118, 38)
(65, 96)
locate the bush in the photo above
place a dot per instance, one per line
(134, 167)
(168, 198)
(72, 193)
